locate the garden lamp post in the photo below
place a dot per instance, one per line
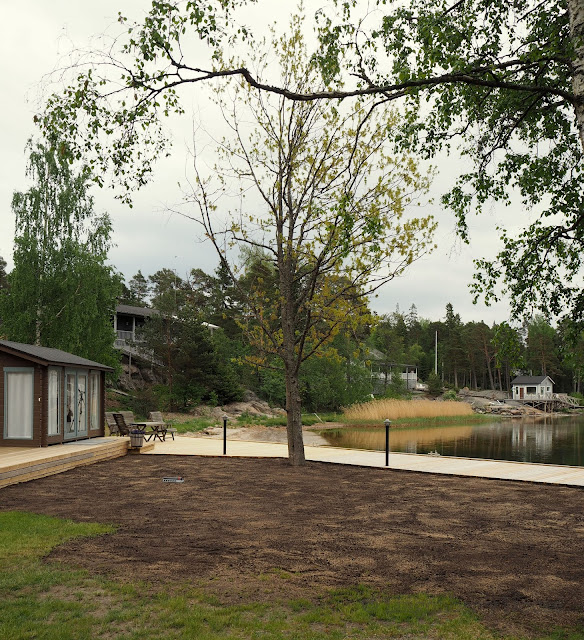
(225, 418)
(387, 424)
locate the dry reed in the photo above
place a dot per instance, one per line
(379, 410)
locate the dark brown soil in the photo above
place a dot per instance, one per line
(250, 528)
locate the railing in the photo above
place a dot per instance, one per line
(564, 397)
(123, 337)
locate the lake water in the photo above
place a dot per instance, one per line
(552, 440)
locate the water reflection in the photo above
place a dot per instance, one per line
(553, 441)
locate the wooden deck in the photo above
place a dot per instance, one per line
(20, 464)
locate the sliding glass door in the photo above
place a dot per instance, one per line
(75, 404)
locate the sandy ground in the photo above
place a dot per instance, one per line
(260, 433)
(260, 529)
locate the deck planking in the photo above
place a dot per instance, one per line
(20, 464)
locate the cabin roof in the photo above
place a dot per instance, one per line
(142, 312)
(48, 355)
(530, 379)
(380, 357)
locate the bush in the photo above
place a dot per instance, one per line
(397, 387)
(434, 383)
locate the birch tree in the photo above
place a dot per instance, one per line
(502, 84)
(61, 291)
(503, 81)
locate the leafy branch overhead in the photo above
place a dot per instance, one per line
(502, 81)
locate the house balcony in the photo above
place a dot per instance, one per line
(123, 337)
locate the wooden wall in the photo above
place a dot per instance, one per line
(40, 412)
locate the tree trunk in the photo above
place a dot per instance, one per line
(291, 366)
(488, 361)
(294, 420)
(576, 12)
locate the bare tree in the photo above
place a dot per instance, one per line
(328, 214)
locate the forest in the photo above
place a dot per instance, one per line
(204, 347)
(203, 364)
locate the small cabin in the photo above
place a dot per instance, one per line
(532, 388)
(128, 320)
(49, 396)
(382, 370)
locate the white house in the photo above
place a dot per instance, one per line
(382, 370)
(532, 388)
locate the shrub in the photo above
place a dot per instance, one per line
(434, 383)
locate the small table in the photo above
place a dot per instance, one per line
(157, 430)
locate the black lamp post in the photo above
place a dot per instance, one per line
(225, 435)
(387, 424)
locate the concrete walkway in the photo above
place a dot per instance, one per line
(497, 469)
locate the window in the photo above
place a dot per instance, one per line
(54, 402)
(94, 399)
(531, 390)
(18, 403)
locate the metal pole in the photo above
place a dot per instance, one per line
(224, 435)
(387, 423)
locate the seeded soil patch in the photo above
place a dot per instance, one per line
(258, 529)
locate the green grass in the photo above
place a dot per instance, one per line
(194, 425)
(308, 419)
(245, 420)
(313, 420)
(48, 601)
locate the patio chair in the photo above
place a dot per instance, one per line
(111, 424)
(128, 417)
(156, 416)
(123, 428)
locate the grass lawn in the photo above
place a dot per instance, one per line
(46, 600)
(193, 425)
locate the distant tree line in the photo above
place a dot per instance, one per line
(479, 356)
(204, 364)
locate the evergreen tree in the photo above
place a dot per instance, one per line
(541, 354)
(169, 291)
(509, 352)
(453, 346)
(139, 290)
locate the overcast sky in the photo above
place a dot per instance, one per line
(35, 34)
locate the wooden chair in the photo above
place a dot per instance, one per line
(156, 416)
(128, 417)
(123, 428)
(111, 424)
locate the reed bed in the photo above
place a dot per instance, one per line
(379, 410)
